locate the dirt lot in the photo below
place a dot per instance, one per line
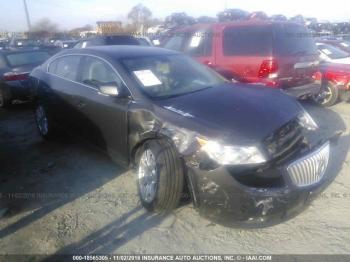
(65, 197)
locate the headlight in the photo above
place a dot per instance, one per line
(232, 155)
(306, 121)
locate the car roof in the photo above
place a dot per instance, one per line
(252, 22)
(121, 51)
(106, 36)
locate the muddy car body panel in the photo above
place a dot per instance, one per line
(266, 120)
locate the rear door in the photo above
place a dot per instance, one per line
(61, 90)
(243, 50)
(103, 119)
(296, 55)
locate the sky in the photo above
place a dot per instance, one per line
(69, 14)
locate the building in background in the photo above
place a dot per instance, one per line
(109, 27)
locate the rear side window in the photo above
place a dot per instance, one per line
(81, 44)
(293, 39)
(97, 73)
(247, 40)
(26, 58)
(66, 67)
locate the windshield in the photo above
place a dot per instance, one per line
(25, 58)
(332, 52)
(170, 75)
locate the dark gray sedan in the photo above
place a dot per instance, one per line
(241, 151)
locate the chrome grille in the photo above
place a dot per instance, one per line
(284, 139)
(311, 168)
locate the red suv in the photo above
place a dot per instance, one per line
(277, 54)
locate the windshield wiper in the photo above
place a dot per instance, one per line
(182, 94)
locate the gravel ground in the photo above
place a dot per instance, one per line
(67, 198)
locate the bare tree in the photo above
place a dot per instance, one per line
(178, 19)
(140, 17)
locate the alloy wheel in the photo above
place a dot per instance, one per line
(147, 176)
(324, 96)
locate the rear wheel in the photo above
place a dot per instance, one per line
(5, 98)
(328, 96)
(160, 177)
(43, 122)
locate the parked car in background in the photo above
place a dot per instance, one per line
(341, 44)
(4, 44)
(243, 152)
(108, 40)
(277, 54)
(331, 54)
(18, 43)
(15, 67)
(335, 84)
(65, 44)
(31, 44)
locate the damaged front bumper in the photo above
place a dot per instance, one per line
(226, 197)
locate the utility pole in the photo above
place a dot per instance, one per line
(27, 14)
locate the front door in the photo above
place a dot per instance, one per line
(103, 118)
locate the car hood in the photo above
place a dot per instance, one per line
(243, 114)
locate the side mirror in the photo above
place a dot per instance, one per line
(110, 90)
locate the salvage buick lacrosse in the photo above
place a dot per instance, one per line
(246, 154)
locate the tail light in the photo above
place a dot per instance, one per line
(317, 76)
(337, 77)
(16, 76)
(268, 69)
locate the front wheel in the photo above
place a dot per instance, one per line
(43, 122)
(328, 95)
(160, 176)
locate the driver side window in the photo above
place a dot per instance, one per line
(97, 73)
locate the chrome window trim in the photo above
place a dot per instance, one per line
(95, 56)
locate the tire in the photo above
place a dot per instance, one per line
(328, 96)
(5, 98)
(43, 122)
(168, 176)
